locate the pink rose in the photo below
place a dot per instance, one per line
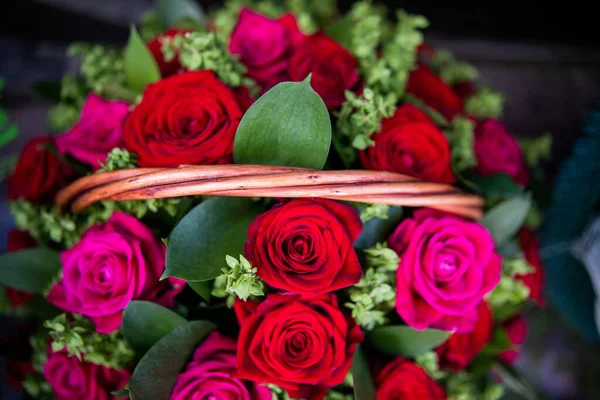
(210, 374)
(73, 379)
(99, 130)
(114, 263)
(497, 151)
(265, 45)
(447, 264)
(516, 330)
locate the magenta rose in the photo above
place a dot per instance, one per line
(99, 130)
(114, 263)
(265, 46)
(211, 374)
(447, 264)
(73, 379)
(497, 151)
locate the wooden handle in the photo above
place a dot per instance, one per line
(361, 186)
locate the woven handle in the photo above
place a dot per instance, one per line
(375, 187)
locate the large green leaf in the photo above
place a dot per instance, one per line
(140, 67)
(402, 340)
(145, 323)
(504, 220)
(156, 373)
(289, 125)
(213, 229)
(364, 389)
(203, 288)
(494, 186)
(31, 270)
(377, 230)
(173, 11)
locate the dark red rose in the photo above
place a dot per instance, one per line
(18, 240)
(516, 330)
(190, 118)
(402, 379)
(433, 91)
(167, 68)
(303, 344)
(465, 89)
(305, 246)
(497, 151)
(39, 174)
(73, 379)
(461, 348)
(333, 68)
(410, 143)
(265, 46)
(535, 280)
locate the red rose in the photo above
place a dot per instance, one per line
(433, 91)
(461, 348)
(497, 151)
(18, 240)
(39, 174)
(167, 68)
(410, 143)
(516, 330)
(535, 280)
(304, 345)
(333, 68)
(265, 46)
(305, 246)
(190, 118)
(73, 379)
(403, 379)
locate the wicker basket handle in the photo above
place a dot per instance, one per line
(376, 187)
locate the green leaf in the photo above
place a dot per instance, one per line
(121, 393)
(140, 67)
(377, 230)
(145, 323)
(173, 11)
(203, 288)
(341, 32)
(8, 135)
(402, 340)
(504, 220)
(31, 270)
(156, 373)
(289, 125)
(201, 240)
(364, 389)
(494, 186)
(511, 379)
(435, 116)
(48, 90)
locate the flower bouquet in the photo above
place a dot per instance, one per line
(272, 200)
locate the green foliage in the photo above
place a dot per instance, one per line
(78, 336)
(510, 294)
(464, 386)
(7, 131)
(205, 51)
(38, 387)
(485, 104)
(174, 12)
(461, 139)
(505, 219)
(71, 97)
(31, 270)
(119, 159)
(364, 388)
(374, 211)
(357, 120)
(429, 361)
(151, 25)
(374, 295)
(278, 392)
(289, 126)
(138, 64)
(101, 66)
(312, 13)
(453, 71)
(378, 230)
(7, 165)
(536, 149)
(239, 279)
(402, 340)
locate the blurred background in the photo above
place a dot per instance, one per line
(547, 64)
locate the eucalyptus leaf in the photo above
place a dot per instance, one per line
(140, 67)
(145, 323)
(172, 12)
(364, 389)
(377, 230)
(213, 229)
(494, 186)
(156, 373)
(30, 270)
(341, 32)
(504, 220)
(402, 340)
(203, 288)
(289, 125)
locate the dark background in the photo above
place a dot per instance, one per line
(543, 57)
